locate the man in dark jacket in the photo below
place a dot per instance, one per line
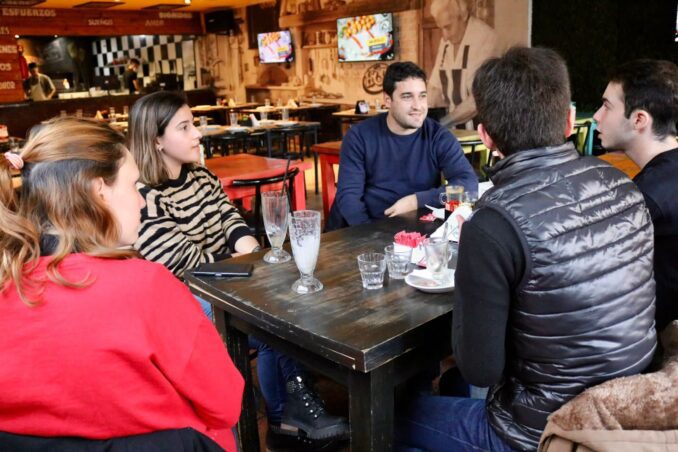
(554, 286)
(638, 116)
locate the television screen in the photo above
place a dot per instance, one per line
(275, 47)
(365, 38)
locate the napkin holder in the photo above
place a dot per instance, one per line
(362, 107)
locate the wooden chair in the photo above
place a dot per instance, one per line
(266, 184)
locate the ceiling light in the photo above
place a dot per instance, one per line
(56, 36)
(16, 36)
(188, 2)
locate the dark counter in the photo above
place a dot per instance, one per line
(20, 117)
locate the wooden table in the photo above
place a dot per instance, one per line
(350, 116)
(368, 340)
(246, 166)
(215, 108)
(620, 161)
(275, 127)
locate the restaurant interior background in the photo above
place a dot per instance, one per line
(223, 57)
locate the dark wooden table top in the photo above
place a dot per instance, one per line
(357, 328)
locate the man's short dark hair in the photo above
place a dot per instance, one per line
(397, 72)
(134, 61)
(523, 99)
(32, 66)
(650, 85)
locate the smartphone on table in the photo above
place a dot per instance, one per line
(223, 269)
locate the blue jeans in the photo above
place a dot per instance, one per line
(273, 370)
(436, 423)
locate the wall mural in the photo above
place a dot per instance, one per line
(447, 38)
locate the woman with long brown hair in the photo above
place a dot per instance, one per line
(189, 220)
(86, 350)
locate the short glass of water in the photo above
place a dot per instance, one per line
(276, 215)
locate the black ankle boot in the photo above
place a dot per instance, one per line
(305, 411)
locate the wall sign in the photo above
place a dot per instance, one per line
(31, 21)
(373, 79)
(11, 84)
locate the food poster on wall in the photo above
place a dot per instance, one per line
(275, 47)
(366, 38)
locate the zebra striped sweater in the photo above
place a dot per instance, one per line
(188, 221)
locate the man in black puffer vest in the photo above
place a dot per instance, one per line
(554, 284)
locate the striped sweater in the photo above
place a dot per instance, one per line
(188, 221)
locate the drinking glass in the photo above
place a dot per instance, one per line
(305, 239)
(452, 197)
(276, 214)
(233, 119)
(63, 114)
(469, 198)
(203, 122)
(285, 114)
(125, 110)
(398, 261)
(372, 267)
(264, 116)
(278, 102)
(438, 255)
(78, 113)
(111, 113)
(267, 103)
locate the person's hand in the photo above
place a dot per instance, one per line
(405, 204)
(245, 245)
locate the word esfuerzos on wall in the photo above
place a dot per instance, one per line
(31, 21)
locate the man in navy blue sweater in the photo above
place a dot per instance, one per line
(391, 164)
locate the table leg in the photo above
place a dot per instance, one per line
(269, 144)
(238, 349)
(371, 409)
(315, 157)
(329, 186)
(299, 198)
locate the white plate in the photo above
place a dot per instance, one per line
(236, 128)
(421, 279)
(265, 122)
(286, 123)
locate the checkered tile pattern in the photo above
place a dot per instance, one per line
(158, 55)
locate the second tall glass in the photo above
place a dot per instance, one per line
(275, 210)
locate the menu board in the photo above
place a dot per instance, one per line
(365, 38)
(275, 47)
(11, 84)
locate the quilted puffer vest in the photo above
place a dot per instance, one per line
(584, 311)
